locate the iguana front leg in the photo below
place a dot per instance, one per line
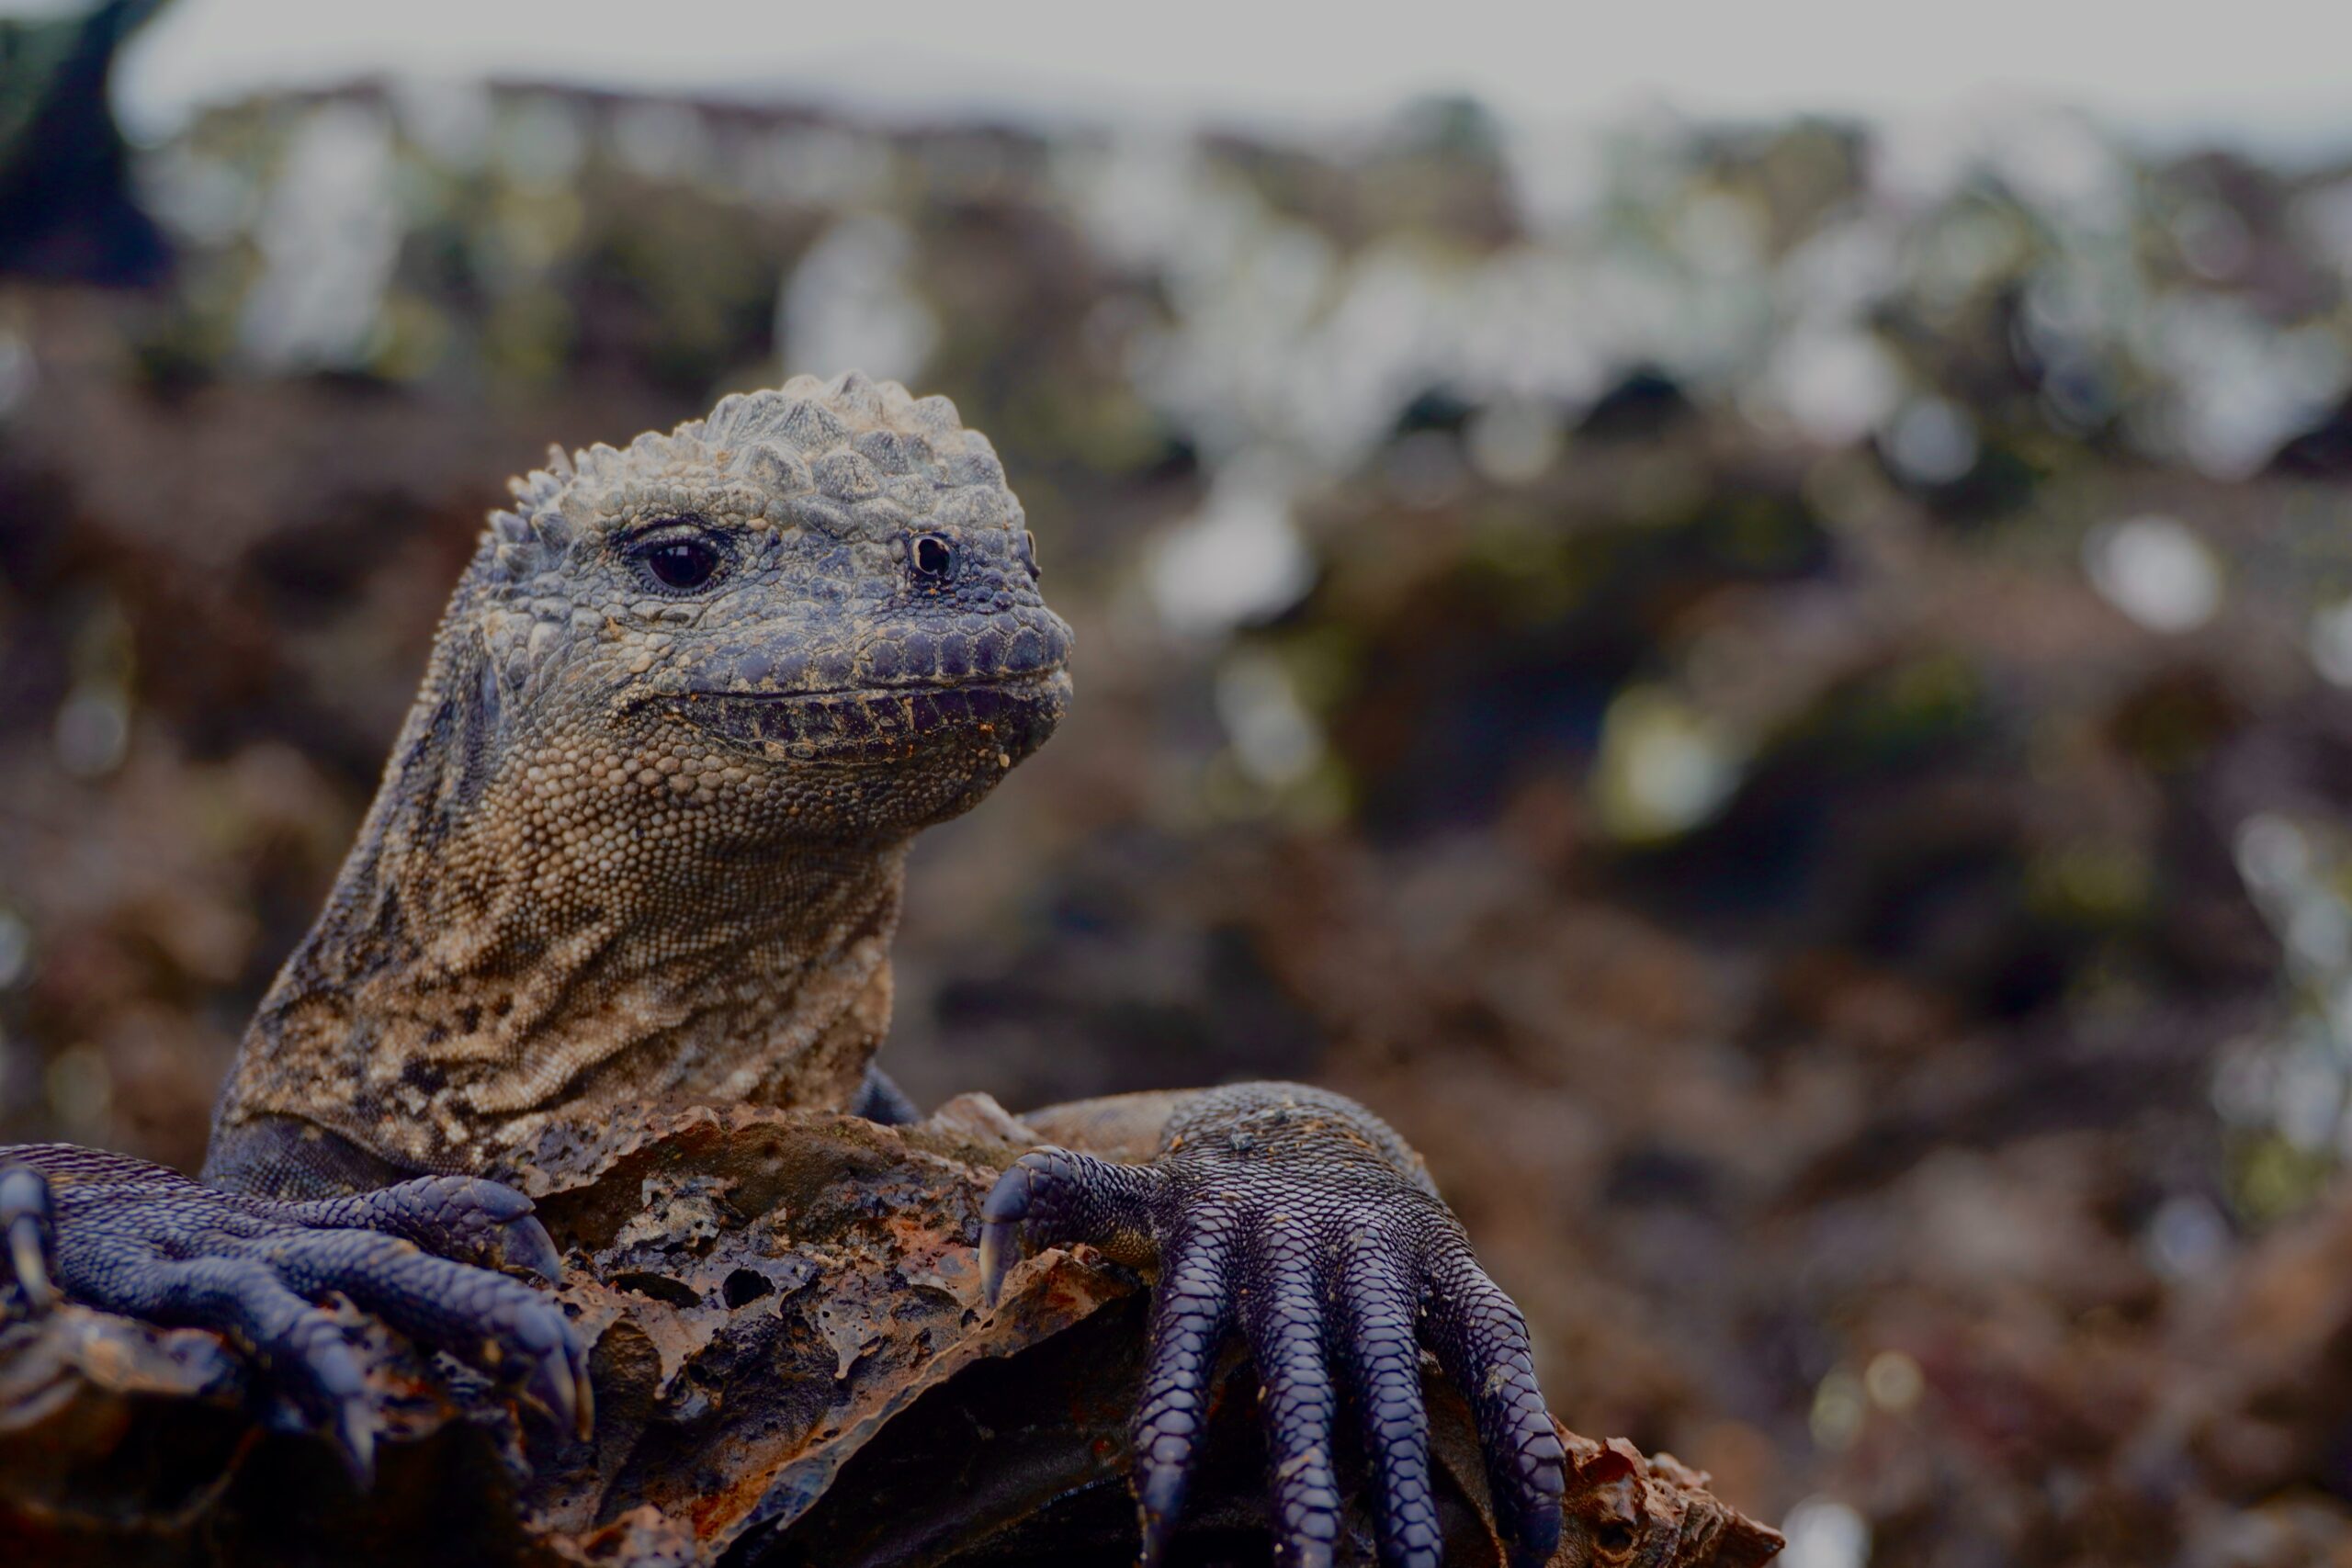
(1304, 1219)
(123, 1236)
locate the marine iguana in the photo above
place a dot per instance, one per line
(641, 843)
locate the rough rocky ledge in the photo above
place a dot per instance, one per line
(792, 1366)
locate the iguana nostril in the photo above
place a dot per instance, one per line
(933, 558)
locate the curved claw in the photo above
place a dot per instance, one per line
(326, 1361)
(1053, 1197)
(558, 1379)
(524, 1246)
(354, 1437)
(26, 1218)
(1001, 1213)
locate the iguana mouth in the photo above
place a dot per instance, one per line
(1006, 718)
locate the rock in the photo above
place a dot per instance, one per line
(792, 1366)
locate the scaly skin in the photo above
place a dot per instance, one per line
(641, 843)
(1303, 1221)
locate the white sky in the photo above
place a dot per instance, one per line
(2280, 71)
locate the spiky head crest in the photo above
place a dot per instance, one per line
(853, 459)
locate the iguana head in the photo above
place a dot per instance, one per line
(813, 613)
(643, 839)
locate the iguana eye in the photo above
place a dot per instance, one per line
(681, 563)
(933, 558)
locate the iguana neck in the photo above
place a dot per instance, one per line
(513, 949)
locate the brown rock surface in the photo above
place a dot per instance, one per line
(792, 1365)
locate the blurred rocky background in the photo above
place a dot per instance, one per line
(1778, 697)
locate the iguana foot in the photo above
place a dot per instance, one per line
(1292, 1219)
(131, 1237)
